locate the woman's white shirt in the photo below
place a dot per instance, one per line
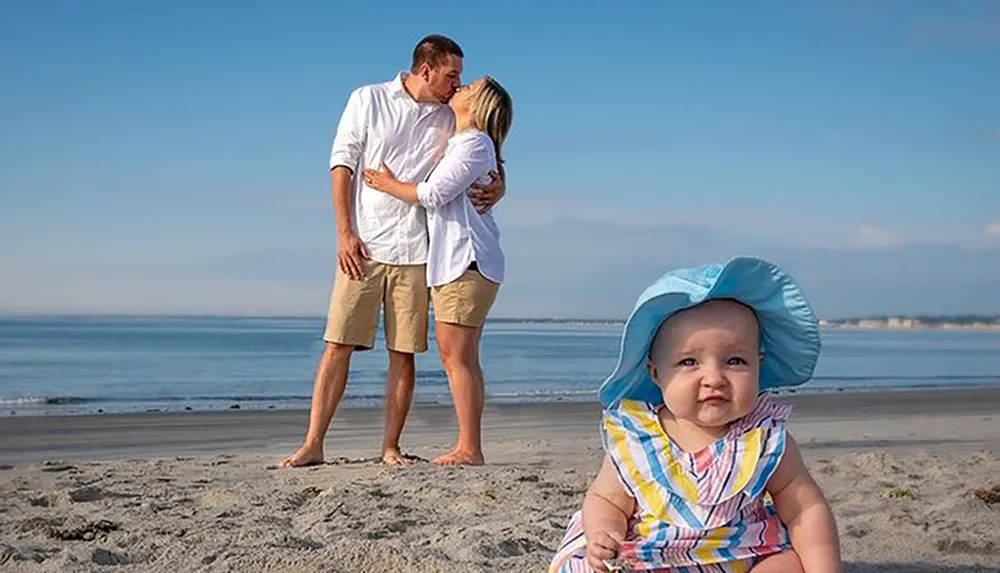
(458, 234)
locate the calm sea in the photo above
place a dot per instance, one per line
(86, 365)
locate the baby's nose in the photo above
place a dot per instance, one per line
(713, 377)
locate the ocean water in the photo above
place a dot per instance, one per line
(111, 364)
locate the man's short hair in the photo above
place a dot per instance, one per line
(433, 50)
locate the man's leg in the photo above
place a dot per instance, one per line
(407, 303)
(398, 397)
(328, 389)
(351, 323)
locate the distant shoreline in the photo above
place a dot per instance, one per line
(963, 323)
(925, 328)
(942, 323)
(893, 324)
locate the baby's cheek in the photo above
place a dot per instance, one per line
(681, 403)
(745, 402)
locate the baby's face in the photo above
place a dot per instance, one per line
(706, 360)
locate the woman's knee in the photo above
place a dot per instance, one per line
(457, 359)
(457, 346)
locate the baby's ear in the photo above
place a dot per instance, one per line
(651, 367)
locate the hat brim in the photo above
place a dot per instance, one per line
(789, 330)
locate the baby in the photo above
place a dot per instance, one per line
(700, 473)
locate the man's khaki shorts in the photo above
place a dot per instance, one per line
(466, 300)
(354, 307)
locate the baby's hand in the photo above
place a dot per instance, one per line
(602, 547)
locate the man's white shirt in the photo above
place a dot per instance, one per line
(382, 123)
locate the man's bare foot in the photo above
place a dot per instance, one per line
(459, 457)
(307, 455)
(392, 457)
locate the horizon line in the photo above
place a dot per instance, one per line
(251, 316)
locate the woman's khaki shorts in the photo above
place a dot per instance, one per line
(355, 304)
(466, 300)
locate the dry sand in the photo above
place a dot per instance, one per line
(199, 492)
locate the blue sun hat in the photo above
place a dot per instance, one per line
(789, 331)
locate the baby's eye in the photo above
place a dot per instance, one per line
(686, 362)
(736, 361)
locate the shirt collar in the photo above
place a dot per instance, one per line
(396, 85)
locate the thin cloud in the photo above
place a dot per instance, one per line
(523, 212)
(567, 267)
(954, 23)
(874, 237)
(993, 229)
(958, 33)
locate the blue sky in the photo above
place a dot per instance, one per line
(172, 157)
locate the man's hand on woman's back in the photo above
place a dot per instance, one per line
(484, 197)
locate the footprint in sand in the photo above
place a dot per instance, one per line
(87, 531)
(56, 466)
(857, 531)
(105, 557)
(217, 499)
(512, 547)
(294, 542)
(379, 493)
(959, 546)
(300, 498)
(89, 493)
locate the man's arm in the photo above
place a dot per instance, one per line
(350, 249)
(485, 197)
(345, 158)
(341, 180)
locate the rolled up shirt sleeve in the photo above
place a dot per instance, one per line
(458, 170)
(349, 142)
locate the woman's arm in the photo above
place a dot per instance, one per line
(458, 170)
(805, 512)
(384, 181)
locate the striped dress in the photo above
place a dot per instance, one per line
(699, 512)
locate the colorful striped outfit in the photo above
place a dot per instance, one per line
(698, 512)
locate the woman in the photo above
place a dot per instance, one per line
(465, 263)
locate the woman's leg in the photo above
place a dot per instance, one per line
(459, 349)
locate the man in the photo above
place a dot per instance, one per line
(382, 241)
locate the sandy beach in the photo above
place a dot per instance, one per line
(200, 492)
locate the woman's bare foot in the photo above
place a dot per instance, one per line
(307, 455)
(392, 457)
(459, 457)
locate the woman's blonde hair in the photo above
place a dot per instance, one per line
(493, 112)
